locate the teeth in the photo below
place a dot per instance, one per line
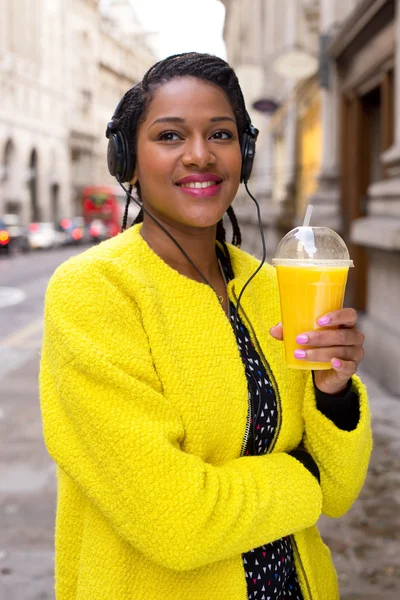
(198, 184)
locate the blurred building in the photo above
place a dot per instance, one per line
(329, 88)
(64, 64)
(34, 176)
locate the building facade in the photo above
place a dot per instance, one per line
(34, 178)
(333, 140)
(63, 68)
(366, 57)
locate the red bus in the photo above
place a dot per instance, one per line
(103, 209)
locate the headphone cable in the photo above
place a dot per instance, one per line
(260, 225)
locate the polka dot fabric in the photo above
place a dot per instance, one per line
(270, 570)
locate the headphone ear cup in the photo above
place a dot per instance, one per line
(114, 155)
(248, 155)
(126, 162)
(118, 160)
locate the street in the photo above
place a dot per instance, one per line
(27, 482)
(365, 542)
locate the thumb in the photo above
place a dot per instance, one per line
(277, 332)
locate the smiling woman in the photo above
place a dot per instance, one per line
(195, 154)
(192, 463)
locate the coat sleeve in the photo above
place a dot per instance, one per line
(108, 425)
(342, 456)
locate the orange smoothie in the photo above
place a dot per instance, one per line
(308, 293)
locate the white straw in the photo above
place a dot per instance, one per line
(307, 216)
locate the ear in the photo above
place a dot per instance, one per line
(134, 179)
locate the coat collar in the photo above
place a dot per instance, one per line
(243, 264)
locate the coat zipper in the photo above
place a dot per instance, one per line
(278, 426)
(300, 562)
(247, 431)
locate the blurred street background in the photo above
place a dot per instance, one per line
(321, 80)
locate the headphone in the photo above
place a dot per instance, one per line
(120, 163)
(248, 150)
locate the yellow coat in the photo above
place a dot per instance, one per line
(144, 404)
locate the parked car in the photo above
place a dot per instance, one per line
(75, 230)
(98, 230)
(4, 238)
(18, 233)
(45, 235)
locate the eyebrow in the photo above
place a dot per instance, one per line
(180, 120)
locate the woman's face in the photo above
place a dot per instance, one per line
(188, 154)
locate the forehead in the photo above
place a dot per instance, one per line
(189, 97)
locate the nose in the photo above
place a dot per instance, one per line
(198, 153)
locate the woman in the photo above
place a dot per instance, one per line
(192, 464)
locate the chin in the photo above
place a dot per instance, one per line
(204, 216)
(202, 222)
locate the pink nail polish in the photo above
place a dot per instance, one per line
(302, 339)
(300, 353)
(323, 321)
(336, 363)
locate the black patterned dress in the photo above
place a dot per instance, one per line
(270, 570)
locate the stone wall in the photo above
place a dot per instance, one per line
(381, 323)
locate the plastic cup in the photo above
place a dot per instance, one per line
(312, 265)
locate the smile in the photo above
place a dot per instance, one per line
(200, 189)
(198, 184)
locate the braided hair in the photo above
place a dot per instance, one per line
(132, 110)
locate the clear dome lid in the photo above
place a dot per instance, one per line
(312, 246)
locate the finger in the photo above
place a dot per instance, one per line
(344, 368)
(345, 317)
(332, 337)
(277, 332)
(335, 380)
(344, 353)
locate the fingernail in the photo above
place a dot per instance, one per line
(323, 321)
(336, 363)
(302, 339)
(300, 353)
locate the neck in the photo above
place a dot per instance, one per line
(199, 244)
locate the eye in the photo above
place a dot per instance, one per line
(222, 135)
(169, 136)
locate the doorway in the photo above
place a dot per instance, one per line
(366, 132)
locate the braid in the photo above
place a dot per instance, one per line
(206, 67)
(128, 201)
(221, 234)
(221, 239)
(237, 236)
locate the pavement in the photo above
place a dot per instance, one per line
(27, 491)
(365, 543)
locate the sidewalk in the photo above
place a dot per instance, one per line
(27, 491)
(365, 543)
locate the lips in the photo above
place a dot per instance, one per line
(208, 191)
(200, 178)
(200, 185)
